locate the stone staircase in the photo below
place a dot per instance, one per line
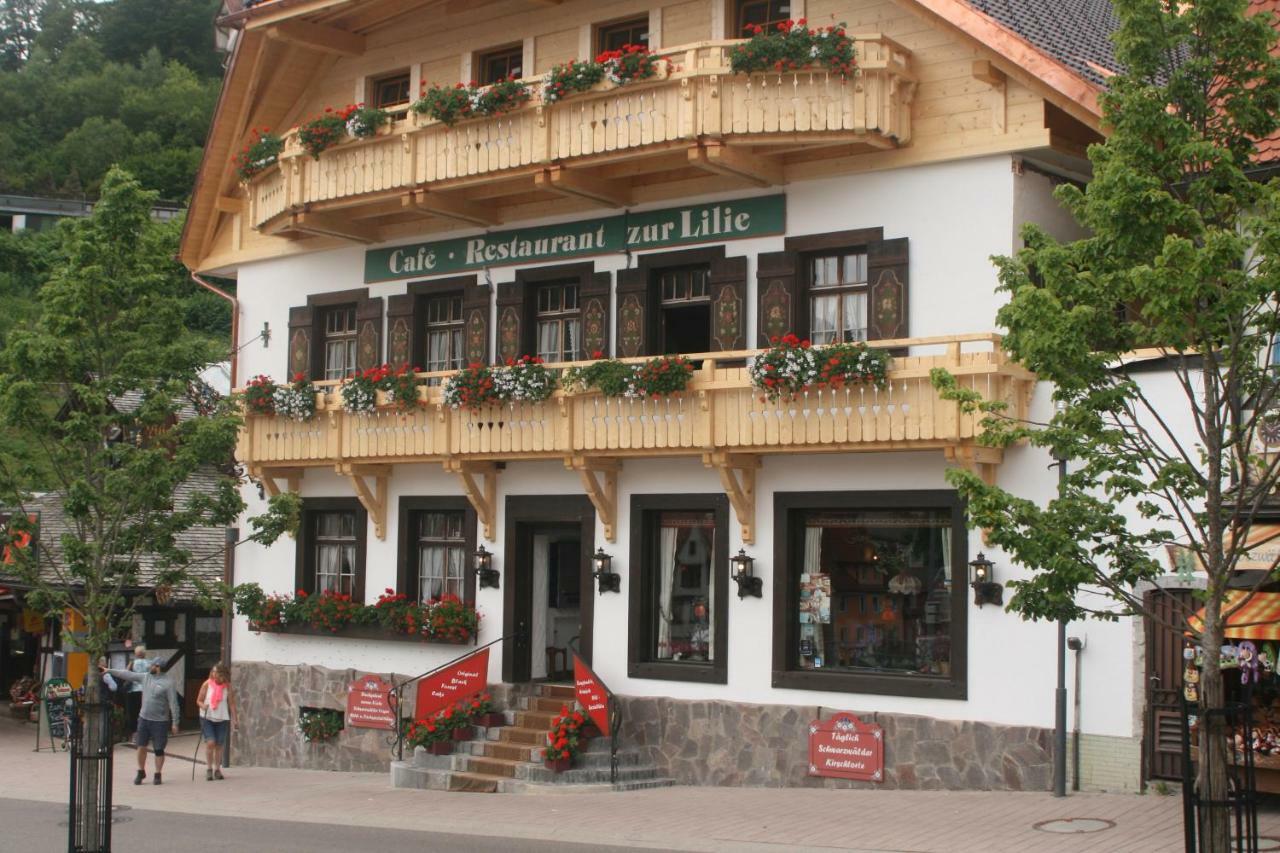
(508, 759)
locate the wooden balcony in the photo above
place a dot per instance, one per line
(720, 418)
(693, 119)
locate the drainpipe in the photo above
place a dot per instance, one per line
(235, 321)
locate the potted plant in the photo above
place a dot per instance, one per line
(259, 396)
(448, 105)
(470, 388)
(401, 387)
(363, 122)
(785, 369)
(791, 46)
(575, 76)
(449, 620)
(324, 131)
(430, 736)
(525, 379)
(502, 97)
(297, 400)
(359, 391)
(319, 725)
(483, 713)
(261, 153)
(628, 64)
(565, 739)
(458, 722)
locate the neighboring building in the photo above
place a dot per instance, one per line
(20, 213)
(701, 212)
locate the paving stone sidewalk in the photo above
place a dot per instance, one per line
(706, 819)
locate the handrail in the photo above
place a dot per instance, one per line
(614, 711)
(398, 689)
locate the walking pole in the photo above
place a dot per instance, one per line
(199, 741)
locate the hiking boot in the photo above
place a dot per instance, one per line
(137, 780)
(208, 775)
(217, 774)
(155, 780)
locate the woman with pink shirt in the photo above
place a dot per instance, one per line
(218, 715)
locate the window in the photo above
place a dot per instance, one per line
(615, 36)
(686, 309)
(873, 600)
(500, 64)
(331, 547)
(838, 297)
(339, 342)
(443, 340)
(559, 322)
(441, 555)
(679, 601)
(391, 93)
(765, 13)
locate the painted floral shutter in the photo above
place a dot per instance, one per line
(780, 304)
(512, 311)
(400, 329)
(301, 340)
(728, 288)
(475, 323)
(594, 303)
(887, 295)
(633, 313)
(369, 333)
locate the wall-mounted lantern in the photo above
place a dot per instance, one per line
(602, 571)
(744, 574)
(485, 571)
(985, 589)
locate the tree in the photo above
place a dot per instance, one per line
(1183, 256)
(112, 325)
(19, 24)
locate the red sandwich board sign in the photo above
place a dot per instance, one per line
(369, 704)
(452, 684)
(591, 695)
(844, 747)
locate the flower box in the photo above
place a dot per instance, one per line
(363, 632)
(464, 733)
(491, 720)
(440, 747)
(558, 765)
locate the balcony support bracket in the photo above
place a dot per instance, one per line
(738, 477)
(600, 481)
(720, 159)
(557, 179)
(452, 207)
(480, 482)
(981, 461)
(373, 499)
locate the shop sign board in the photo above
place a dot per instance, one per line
(453, 684)
(57, 701)
(369, 704)
(672, 226)
(591, 695)
(844, 747)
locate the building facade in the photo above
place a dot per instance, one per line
(701, 212)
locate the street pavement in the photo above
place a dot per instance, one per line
(316, 811)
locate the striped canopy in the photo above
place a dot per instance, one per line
(1258, 619)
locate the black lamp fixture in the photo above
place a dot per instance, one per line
(985, 590)
(609, 580)
(743, 573)
(484, 568)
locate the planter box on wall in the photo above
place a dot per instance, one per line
(364, 632)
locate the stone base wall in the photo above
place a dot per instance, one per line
(725, 743)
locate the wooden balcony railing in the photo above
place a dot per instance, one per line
(695, 97)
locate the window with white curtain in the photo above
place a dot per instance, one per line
(335, 552)
(441, 555)
(838, 297)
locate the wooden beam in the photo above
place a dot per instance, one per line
(603, 493)
(604, 191)
(982, 461)
(723, 160)
(986, 72)
(372, 498)
(227, 204)
(738, 478)
(318, 37)
(451, 207)
(327, 225)
(480, 482)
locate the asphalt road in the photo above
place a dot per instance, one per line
(39, 826)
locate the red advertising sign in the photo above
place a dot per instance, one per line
(591, 695)
(19, 540)
(369, 704)
(846, 748)
(452, 684)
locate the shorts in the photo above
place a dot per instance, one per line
(154, 732)
(215, 731)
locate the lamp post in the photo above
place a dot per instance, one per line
(1060, 692)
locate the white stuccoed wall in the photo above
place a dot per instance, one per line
(956, 215)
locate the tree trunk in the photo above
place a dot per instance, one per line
(1211, 776)
(94, 741)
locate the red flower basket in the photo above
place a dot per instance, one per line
(464, 733)
(558, 765)
(491, 719)
(440, 747)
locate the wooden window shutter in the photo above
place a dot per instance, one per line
(633, 313)
(594, 303)
(301, 340)
(475, 319)
(400, 330)
(782, 307)
(887, 294)
(728, 288)
(513, 325)
(369, 333)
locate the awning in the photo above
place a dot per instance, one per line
(1258, 619)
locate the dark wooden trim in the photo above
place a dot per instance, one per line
(362, 632)
(834, 240)
(438, 286)
(521, 511)
(538, 275)
(680, 257)
(337, 297)
(639, 574)
(785, 591)
(406, 558)
(303, 570)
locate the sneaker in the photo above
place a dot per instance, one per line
(155, 780)
(208, 775)
(217, 774)
(137, 780)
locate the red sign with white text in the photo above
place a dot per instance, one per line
(846, 748)
(591, 695)
(369, 704)
(451, 685)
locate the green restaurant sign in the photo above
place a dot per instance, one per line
(674, 226)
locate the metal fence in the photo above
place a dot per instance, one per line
(1240, 809)
(89, 823)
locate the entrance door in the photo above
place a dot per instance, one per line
(548, 606)
(1163, 728)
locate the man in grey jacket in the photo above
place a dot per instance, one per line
(159, 714)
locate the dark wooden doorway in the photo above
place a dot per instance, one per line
(526, 515)
(1162, 740)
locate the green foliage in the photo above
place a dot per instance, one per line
(790, 46)
(319, 725)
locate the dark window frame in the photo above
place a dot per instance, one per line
(349, 337)
(604, 31)
(320, 304)
(505, 53)
(525, 289)
(396, 108)
(653, 264)
(812, 291)
(422, 293)
(640, 639)
(786, 552)
(739, 15)
(304, 563)
(411, 508)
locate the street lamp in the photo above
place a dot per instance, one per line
(609, 580)
(484, 568)
(985, 590)
(744, 575)
(1060, 692)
